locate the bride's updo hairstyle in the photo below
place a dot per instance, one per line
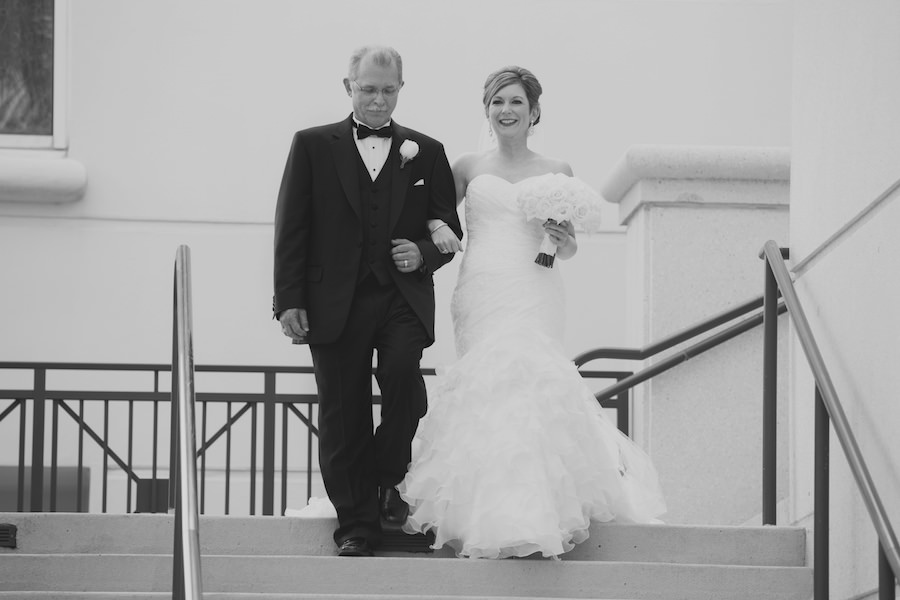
(501, 78)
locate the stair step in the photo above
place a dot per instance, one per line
(240, 596)
(394, 541)
(73, 533)
(408, 577)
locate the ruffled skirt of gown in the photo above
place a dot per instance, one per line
(515, 457)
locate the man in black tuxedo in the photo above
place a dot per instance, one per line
(353, 277)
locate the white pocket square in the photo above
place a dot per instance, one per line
(419, 182)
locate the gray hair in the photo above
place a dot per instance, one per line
(382, 55)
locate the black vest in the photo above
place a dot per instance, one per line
(375, 207)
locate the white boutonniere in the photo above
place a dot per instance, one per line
(408, 151)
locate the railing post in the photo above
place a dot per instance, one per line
(178, 583)
(20, 482)
(821, 499)
(284, 456)
(309, 450)
(175, 399)
(37, 441)
(887, 581)
(54, 455)
(186, 573)
(268, 499)
(770, 400)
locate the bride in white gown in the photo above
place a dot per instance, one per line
(514, 455)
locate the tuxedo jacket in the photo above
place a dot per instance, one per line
(318, 224)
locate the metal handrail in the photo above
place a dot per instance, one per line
(186, 580)
(683, 355)
(672, 340)
(825, 390)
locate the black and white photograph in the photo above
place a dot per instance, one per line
(482, 299)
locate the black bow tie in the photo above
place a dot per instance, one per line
(362, 132)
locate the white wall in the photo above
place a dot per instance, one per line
(182, 114)
(846, 140)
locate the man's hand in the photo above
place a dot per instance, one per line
(406, 256)
(295, 324)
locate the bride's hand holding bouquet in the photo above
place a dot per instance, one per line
(558, 199)
(562, 236)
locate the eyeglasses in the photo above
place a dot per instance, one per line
(372, 91)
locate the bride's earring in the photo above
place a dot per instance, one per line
(531, 128)
(490, 130)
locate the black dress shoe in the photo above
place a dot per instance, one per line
(393, 507)
(355, 546)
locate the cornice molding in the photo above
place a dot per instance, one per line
(41, 180)
(649, 162)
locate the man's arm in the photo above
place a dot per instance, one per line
(292, 230)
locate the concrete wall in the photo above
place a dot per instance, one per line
(846, 140)
(181, 115)
(697, 218)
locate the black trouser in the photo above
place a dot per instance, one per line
(354, 459)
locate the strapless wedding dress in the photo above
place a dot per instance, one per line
(515, 455)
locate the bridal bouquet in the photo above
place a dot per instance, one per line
(558, 197)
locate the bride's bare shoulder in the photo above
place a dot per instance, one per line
(467, 161)
(467, 166)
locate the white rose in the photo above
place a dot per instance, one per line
(408, 151)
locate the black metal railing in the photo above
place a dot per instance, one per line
(186, 572)
(728, 317)
(127, 426)
(138, 419)
(829, 412)
(75, 404)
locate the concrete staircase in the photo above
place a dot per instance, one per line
(128, 557)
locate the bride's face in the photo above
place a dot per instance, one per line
(509, 112)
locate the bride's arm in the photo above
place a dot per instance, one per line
(462, 168)
(442, 236)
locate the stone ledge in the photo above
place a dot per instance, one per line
(696, 162)
(699, 175)
(41, 180)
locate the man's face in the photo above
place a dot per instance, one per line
(374, 92)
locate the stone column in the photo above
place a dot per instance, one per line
(696, 219)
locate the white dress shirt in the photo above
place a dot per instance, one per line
(373, 150)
